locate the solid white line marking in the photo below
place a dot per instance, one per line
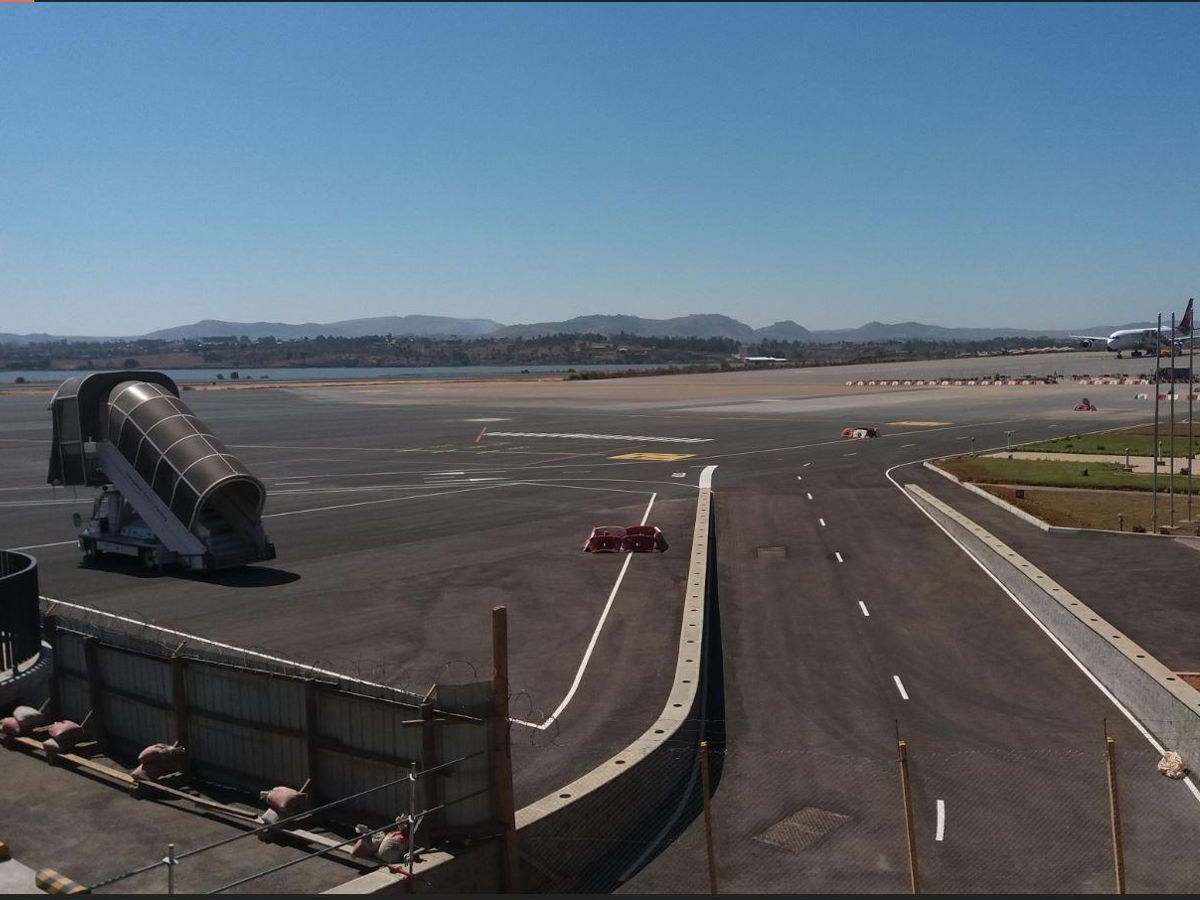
(900, 686)
(808, 495)
(839, 556)
(602, 437)
(941, 820)
(289, 483)
(864, 609)
(1151, 739)
(822, 521)
(849, 454)
(40, 546)
(902, 446)
(600, 625)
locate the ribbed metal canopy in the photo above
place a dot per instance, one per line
(174, 452)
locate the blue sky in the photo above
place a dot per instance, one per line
(961, 165)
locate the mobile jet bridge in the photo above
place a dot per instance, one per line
(170, 491)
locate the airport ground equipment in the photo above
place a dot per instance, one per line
(170, 491)
(631, 539)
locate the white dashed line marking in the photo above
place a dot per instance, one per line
(822, 521)
(849, 454)
(941, 820)
(839, 556)
(806, 465)
(900, 687)
(289, 483)
(863, 607)
(902, 446)
(808, 495)
(799, 477)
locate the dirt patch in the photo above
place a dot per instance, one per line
(1108, 510)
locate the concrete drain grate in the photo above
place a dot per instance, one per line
(771, 552)
(802, 829)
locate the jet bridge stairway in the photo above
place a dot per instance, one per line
(171, 492)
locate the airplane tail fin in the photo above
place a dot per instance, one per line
(1185, 324)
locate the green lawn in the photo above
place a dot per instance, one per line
(1117, 443)
(1052, 473)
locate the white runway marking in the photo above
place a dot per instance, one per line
(941, 820)
(600, 437)
(900, 686)
(40, 546)
(902, 446)
(289, 483)
(863, 606)
(595, 637)
(487, 420)
(806, 465)
(822, 521)
(839, 556)
(850, 454)
(799, 477)
(808, 495)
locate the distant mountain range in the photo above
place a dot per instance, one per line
(698, 326)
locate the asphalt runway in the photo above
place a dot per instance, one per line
(403, 513)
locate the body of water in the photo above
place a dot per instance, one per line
(210, 376)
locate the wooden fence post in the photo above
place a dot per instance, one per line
(908, 819)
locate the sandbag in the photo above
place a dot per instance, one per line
(158, 760)
(66, 734)
(285, 800)
(393, 846)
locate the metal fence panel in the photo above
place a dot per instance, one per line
(130, 673)
(467, 793)
(130, 726)
(341, 775)
(269, 701)
(368, 725)
(245, 756)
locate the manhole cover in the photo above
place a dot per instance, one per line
(771, 552)
(802, 829)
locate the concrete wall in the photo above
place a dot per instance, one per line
(1165, 705)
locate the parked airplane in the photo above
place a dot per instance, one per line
(1144, 341)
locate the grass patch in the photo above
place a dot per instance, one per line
(1139, 442)
(1052, 473)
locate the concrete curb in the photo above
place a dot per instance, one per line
(1162, 701)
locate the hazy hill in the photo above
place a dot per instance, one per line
(415, 326)
(698, 326)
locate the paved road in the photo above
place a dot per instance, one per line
(391, 556)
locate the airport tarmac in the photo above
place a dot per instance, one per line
(403, 513)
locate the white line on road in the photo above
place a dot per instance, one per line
(863, 606)
(849, 454)
(289, 483)
(799, 477)
(941, 820)
(822, 521)
(40, 546)
(806, 465)
(902, 446)
(808, 495)
(601, 437)
(900, 686)
(839, 556)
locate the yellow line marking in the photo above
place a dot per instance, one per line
(660, 457)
